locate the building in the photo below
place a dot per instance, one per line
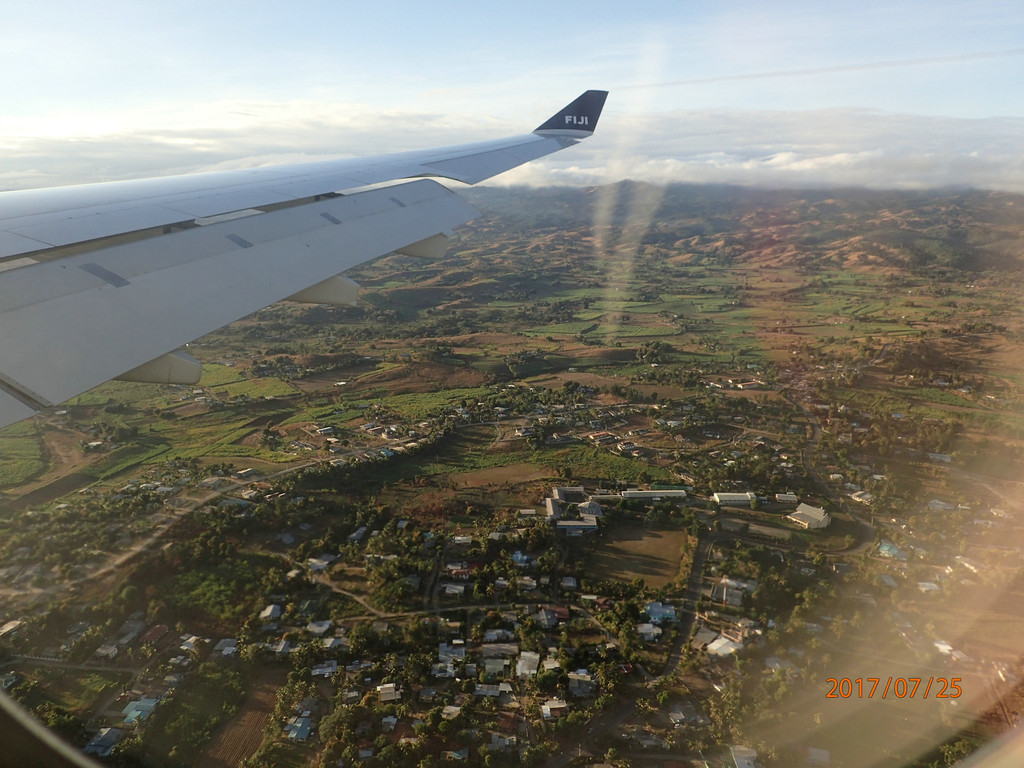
(726, 499)
(659, 613)
(807, 516)
(527, 664)
(298, 728)
(655, 495)
(139, 709)
(554, 708)
(587, 524)
(271, 613)
(648, 632)
(103, 742)
(388, 692)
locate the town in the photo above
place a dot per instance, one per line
(578, 544)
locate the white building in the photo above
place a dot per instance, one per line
(723, 499)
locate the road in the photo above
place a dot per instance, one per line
(690, 599)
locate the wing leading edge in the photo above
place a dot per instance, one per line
(101, 280)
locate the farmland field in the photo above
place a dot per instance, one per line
(242, 736)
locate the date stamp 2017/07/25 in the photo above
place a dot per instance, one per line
(893, 687)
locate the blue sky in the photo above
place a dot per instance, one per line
(878, 93)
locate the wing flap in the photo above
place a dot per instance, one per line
(128, 304)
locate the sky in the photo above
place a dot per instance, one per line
(790, 93)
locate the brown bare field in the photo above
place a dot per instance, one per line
(585, 379)
(242, 736)
(633, 550)
(514, 473)
(420, 377)
(326, 381)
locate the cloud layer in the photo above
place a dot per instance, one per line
(795, 149)
(818, 148)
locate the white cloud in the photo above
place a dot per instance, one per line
(792, 149)
(817, 148)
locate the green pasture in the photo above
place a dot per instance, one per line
(22, 455)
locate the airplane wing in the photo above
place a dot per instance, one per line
(107, 280)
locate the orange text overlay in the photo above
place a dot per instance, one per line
(893, 688)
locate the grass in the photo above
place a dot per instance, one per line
(598, 464)
(563, 329)
(77, 692)
(635, 331)
(125, 458)
(268, 386)
(22, 455)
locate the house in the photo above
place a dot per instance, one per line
(227, 647)
(281, 647)
(154, 634)
(318, 628)
(499, 636)
(320, 564)
(723, 646)
(492, 690)
(807, 516)
(501, 743)
(298, 728)
(581, 683)
(554, 708)
(686, 714)
(495, 666)
(499, 650)
(271, 613)
(527, 664)
(103, 742)
(648, 632)
(325, 670)
(703, 638)
(546, 618)
(106, 651)
(139, 709)
(388, 692)
(658, 613)
(561, 612)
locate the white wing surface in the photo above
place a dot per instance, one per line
(107, 280)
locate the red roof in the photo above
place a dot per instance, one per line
(154, 633)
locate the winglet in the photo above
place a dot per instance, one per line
(578, 119)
